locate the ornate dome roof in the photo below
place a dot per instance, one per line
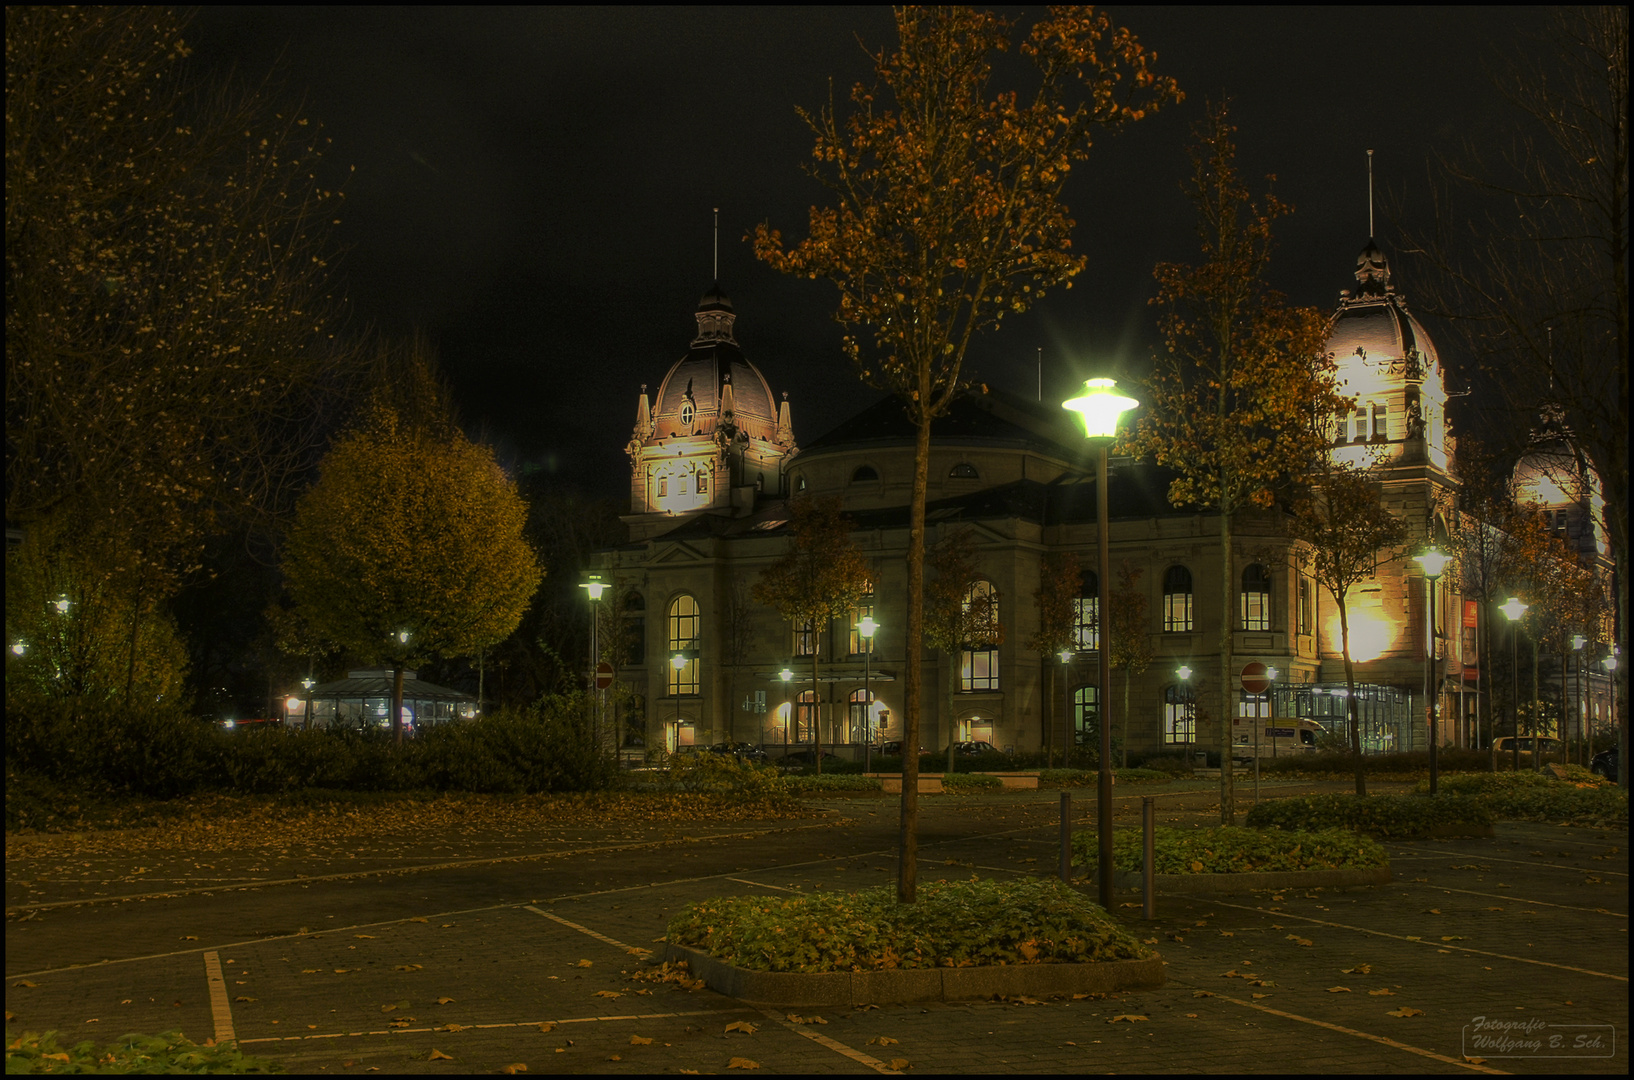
(1375, 318)
(702, 373)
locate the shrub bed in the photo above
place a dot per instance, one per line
(1227, 849)
(816, 785)
(1407, 766)
(1082, 778)
(1524, 796)
(167, 1053)
(958, 781)
(1392, 816)
(953, 924)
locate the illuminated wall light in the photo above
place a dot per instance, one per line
(1371, 634)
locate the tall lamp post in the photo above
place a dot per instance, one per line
(866, 628)
(1513, 609)
(679, 663)
(1434, 564)
(1101, 406)
(1065, 656)
(1616, 732)
(1578, 641)
(786, 674)
(595, 587)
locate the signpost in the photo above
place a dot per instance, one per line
(604, 675)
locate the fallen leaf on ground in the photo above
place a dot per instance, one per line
(1227, 933)
(637, 1040)
(1452, 937)
(454, 1027)
(743, 1026)
(408, 967)
(1129, 1018)
(1405, 1011)
(883, 1040)
(1359, 969)
(25, 982)
(364, 937)
(547, 1027)
(445, 1001)
(309, 971)
(1338, 989)
(615, 1057)
(742, 1063)
(243, 999)
(608, 994)
(1297, 940)
(387, 1008)
(1386, 992)
(898, 1064)
(1256, 997)
(582, 963)
(510, 1069)
(438, 1055)
(1201, 993)
(417, 918)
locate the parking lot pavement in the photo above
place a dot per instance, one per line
(534, 962)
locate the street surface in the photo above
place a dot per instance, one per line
(457, 951)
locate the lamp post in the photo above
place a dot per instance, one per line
(1434, 564)
(307, 684)
(594, 587)
(1513, 609)
(786, 674)
(679, 663)
(1578, 641)
(866, 628)
(1065, 656)
(1101, 406)
(1617, 732)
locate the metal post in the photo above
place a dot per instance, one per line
(1148, 853)
(867, 705)
(1103, 793)
(1066, 837)
(1515, 686)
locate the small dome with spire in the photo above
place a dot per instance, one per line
(1372, 271)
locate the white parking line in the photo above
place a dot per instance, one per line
(633, 950)
(1412, 940)
(1524, 903)
(220, 1009)
(833, 1044)
(1464, 856)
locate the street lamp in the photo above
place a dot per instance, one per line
(786, 674)
(1101, 406)
(679, 663)
(1513, 609)
(1065, 656)
(1434, 564)
(866, 629)
(595, 587)
(1578, 641)
(19, 647)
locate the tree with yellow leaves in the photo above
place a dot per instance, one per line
(410, 545)
(949, 216)
(1229, 403)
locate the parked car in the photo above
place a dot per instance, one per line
(971, 749)
(1605, 764)
(743, 751)
(800, 759)
(894, 748)
(1543, 744)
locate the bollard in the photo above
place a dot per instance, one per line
(1148, 845)
(1066, 837)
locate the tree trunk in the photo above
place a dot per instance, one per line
(908, 829)
(397, 704)
(1228, 622)
(1351, 712)
(1047, 708)
(1125, 751)
(816, 705)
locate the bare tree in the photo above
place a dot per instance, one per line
(1535, 274)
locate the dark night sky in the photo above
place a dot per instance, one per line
(533, 186)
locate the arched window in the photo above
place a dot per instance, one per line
(979, 666)
(1179, 714)
(1256, 598)
(1086, 716)
(799, 483)
(805, 717)
(687, 414)
(1086, 631)
(1177, 612)
(685, 623)
(635, 628)
(964, 471)
(864, 473)
(860, 715)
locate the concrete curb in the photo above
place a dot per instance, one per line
(1273, 879)
(846, 988)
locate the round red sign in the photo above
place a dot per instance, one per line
(604, 675)
(1255, 678)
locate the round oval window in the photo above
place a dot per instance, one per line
(686, 413)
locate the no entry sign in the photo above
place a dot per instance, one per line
(604, 675)
(1255, 678)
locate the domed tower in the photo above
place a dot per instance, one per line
(713, 438)
(1389, 365)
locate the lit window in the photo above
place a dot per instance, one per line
(686, 414)
(979, 667)
(1361, 425)
(860, 700)
(1177, 611)
(1086, 631)
(805, 641)
(979, 670)
(1381, 427)
(805, 717)
(1256, 598)
(964, 471)
(1179, 714)
(663, 486)
(1252, 706)
(685, 623)
(863, 610)
(1305, 605)
(703, 482)
(1086, 716)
